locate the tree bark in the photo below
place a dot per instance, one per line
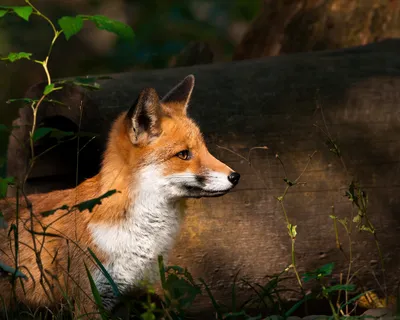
(291, 26)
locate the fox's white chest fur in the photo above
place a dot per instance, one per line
(133, 246)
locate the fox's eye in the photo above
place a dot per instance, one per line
(184, 155)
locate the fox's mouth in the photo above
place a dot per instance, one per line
(197, 192)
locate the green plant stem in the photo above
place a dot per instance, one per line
(56, 32)
(338, 244)
(293, 254)
(305, 168)
(45, 62)
(326, 296)
(35, 107)
(362, 207)
(288, 224)
(38, 13)
(294, 265)
(335, 315)
(283, 207)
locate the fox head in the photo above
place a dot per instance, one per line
(165, 150)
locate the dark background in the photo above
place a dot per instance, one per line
(162, 29)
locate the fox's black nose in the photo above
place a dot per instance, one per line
(234, 178)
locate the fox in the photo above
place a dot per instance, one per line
(155, 159)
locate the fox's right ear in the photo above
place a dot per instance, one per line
(178, 98)
(143, 118)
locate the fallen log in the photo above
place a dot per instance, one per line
(289, 104)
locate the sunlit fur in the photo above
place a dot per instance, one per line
(129, 229)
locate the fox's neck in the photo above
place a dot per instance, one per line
(155, 221)
(146, 224)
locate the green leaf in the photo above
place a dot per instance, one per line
(181, 271)
(114, 286)
(326, 269)
(368, 229)
(216, 306)
(297, 305)
(292, 230)
(351, 193)
(40, 133)
(56, 102)
(25, 100)
(96, 294)
(14, 56)
(95, 86)
(91, 85)
(54, 133)
(90, 204)
(86, 80)
(30, 101)
(234, 292)
(70, 25)
(119, 28)
(148, 315)
(51, 212)
(59, 134)
(11, 270)
(161, 269)
(339, 287)
(181, 291)
(3, 13)
(50, 88)
(319, 273)
(4, 183)
(23, 12)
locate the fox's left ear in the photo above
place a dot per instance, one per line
(178, 98)
(143, 118)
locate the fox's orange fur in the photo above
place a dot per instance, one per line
(143, 149)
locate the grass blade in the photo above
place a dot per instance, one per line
(213, 301)
(297, 305)
(96, 295)
(234, 294)
(114, 286)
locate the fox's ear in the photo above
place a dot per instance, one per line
(178, 98)
(143, 118)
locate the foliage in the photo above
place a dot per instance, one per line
(69, 27)
(72, 25)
